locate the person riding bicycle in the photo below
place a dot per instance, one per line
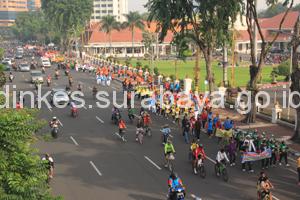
(74, 109)
(165, 133)
(169, 151)
(130, 113)
(114, 112)
(198, 154)
(221, 158)
(263, 186)
(146, 120)
(139, 128)
(122, 127)
(95, 90)
(49, 165)
(174, 182)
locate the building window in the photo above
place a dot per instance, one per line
(240, 47)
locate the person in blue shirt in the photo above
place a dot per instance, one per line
(210, 127)
(228, 124)
(174, 182)
(210, 116)
(165, 133)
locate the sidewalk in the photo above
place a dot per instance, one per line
(280, 132)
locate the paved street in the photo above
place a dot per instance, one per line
(92, 163)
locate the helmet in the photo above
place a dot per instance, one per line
(201, 145)
(173, 175)
(54, 118)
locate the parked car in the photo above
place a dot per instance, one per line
(24, 67)
(7, 61)
(37, 76)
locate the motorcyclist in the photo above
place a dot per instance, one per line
(74, 109)
(48, 80)
(264, 186)
(174, 182)
(54, 122)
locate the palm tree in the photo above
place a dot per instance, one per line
(108, 24)
(134, 20)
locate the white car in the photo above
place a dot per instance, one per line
(6, 61)
(20, 50)
(37, 76)
(24, 67)
(46, 62)
(59, 96)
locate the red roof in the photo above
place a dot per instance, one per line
(273, 22)
(124, 35)
(269, 24)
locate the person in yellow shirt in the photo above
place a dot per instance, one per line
(298, 169)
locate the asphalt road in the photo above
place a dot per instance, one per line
(92, 163)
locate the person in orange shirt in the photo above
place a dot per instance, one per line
(122, 128)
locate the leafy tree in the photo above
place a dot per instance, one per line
(134, 20)
(2, 51)
(108, 24)
(257, 62)
(148, 41)
(272, 11)
(284, 68)
(2, 76)
(67, 16)
(22, 173)
(207, 23)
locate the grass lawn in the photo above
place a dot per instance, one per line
(241, 74)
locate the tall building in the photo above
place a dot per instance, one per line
(117, 8)
(9, 9)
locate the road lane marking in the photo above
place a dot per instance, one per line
(95, 168)
(153, 163)
(213, 161)
(100, 120)
(117, 134)
(291, 170)
(275, 197)
(60, 123)
(114, 88)
(75, 142)
(90, 88)
(49, 109)
(292, 159)
(85, 107)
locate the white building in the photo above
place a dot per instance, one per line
(117, 8)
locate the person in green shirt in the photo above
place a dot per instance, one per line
(283, 151)
(169, 151)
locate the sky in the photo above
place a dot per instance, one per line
(137, 5)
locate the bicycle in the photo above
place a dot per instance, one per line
(200, 168)
(170, 165)
(221, 171)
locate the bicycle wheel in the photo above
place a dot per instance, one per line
(225, 175)
(202, 171)
(171, 166)
(217, 171)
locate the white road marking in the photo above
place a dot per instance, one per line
(85, 107)
(153, 163)
(49, 109)
(117, 134)
(292, 159)
(213, 161)
(275, 197)
(100, 120)
(291, 170)
(114, 88)
(60, 123)
(95, 168)
(90, 88)
(75, 142)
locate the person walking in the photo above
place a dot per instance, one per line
(198, 126)
(186, 128)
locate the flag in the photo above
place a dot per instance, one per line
(253, 156)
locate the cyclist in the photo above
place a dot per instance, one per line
(74, 109)
(174, 182)
(146, 121)
(221, 158)
(264, 186)
(139, 128)
(166, 133)
(130, 113)
(122, 128)
(169, 150)
(115, 111)
(50, 165)
(198, 154)
(54, 122)
(48, 80)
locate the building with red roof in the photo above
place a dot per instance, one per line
(269, 27)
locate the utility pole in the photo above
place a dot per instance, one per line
(225, 63)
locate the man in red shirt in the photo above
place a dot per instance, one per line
(198, 154)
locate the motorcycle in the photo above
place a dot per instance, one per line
(54, 132)
(74, 112)
(177, 193)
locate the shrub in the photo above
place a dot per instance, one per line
(156, 71)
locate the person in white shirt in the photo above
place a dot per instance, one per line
(221, 158)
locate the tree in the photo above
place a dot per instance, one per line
(134, 20)
(2, 76)
(295, 77)
(23, 174)
(66, 16)
(272, 11)
(108, 24)
(206, 22)
(148, 40)
(257, 63)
